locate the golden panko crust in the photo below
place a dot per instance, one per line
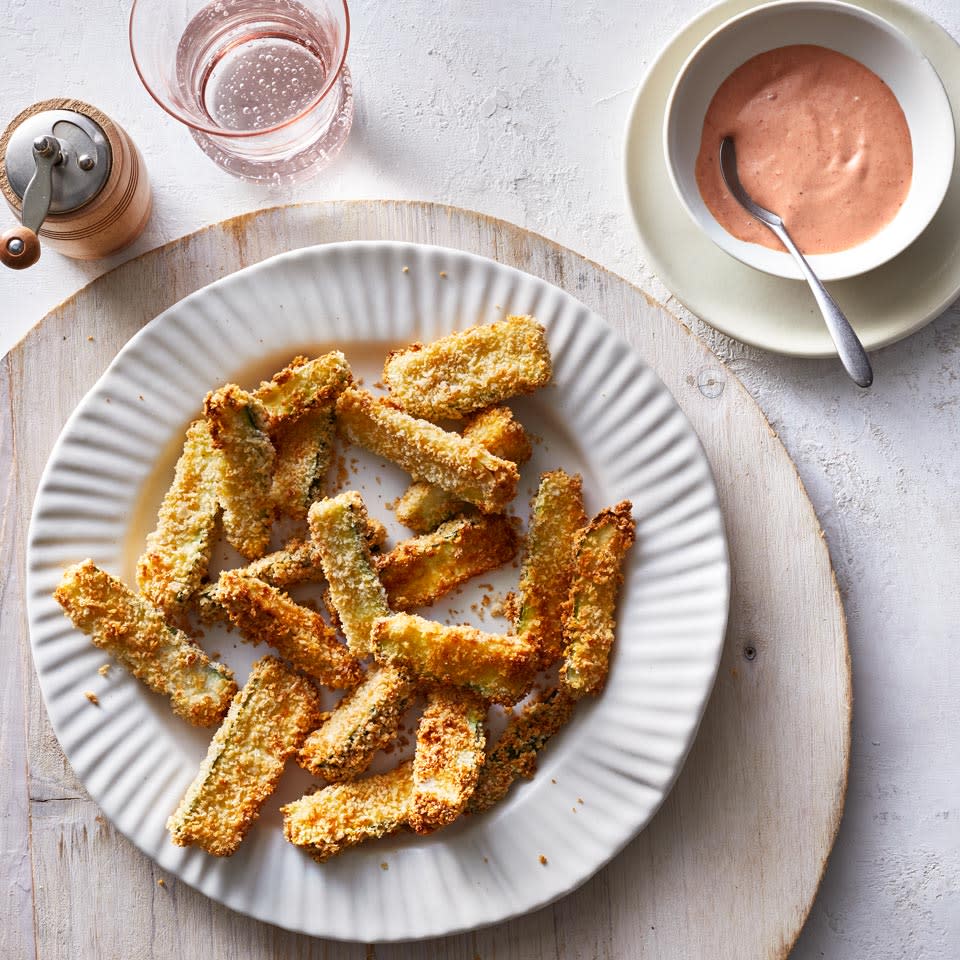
(304, 449)
(338, 817)
(267, 722)
(418, 571)
(424, 506)
(450, 741)
(556, 517)
(589, 613)
(238, 427)
(497, 667)
(364, 721)
(295, 563)
(177, 553)
(265, 614)
(514, 755)
(302, 386)
(496, 429)
(129, 628)
(458, 464)
(469, 370)
(338, 527)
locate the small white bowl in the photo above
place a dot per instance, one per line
(850, 30)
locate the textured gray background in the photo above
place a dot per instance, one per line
(518, 110)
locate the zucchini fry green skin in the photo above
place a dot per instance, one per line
(514, 755)
(266, 724)
(449, 755)
(129, 628)
(264, 613)
(497, 667)
(418, 571)
(304, 448)
(589, 613)
(337, 529)
(365, 721)
(177, 552)
(469, 370)
(427, 452)
(338, 817)
(302, 386)
(238, 426)
(556, 517)
(424, 506)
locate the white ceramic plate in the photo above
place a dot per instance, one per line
(883, 305)
(608, 416)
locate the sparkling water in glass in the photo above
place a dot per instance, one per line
(263, 85)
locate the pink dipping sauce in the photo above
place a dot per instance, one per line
(821, 140)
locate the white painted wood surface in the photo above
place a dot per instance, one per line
(729, 866)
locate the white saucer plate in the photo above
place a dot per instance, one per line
(607, 416)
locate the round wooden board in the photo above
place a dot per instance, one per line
(729, 866)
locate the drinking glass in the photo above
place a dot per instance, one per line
(263, 85)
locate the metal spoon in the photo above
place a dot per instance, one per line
(849, 347)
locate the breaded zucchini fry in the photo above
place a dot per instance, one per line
(424, 506)
(475, 368)
(297, 562)
(130, 629)
(418, 571)
(556, 516)
(304, 448)
(177, 553)
(495, 666)
(266, 724)
(364, 721)
(337, 528)
(238, 426)
(449, 756)
(335, 818)
(515, 754)
(264, 613)
(589, 613)
(302, 386)
(427, 452)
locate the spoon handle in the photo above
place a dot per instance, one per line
(852, 355)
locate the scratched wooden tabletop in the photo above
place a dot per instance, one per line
(767, 773)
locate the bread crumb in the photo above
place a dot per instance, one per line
(161, 882)
(104, 671)
(485, 860)
(543, 859)
(89, 339)
(553, 779)
(92, 697)
(384, 865)
(443, 274)
(580, 800)
(406, 269)
(139, 396)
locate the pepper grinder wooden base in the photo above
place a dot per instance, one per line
(116, 216)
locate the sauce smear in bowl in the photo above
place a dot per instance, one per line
(821, 140)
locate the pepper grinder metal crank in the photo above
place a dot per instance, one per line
(75, 179)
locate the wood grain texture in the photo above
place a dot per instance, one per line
(729, 866)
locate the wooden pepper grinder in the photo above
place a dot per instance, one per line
(75, 179)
